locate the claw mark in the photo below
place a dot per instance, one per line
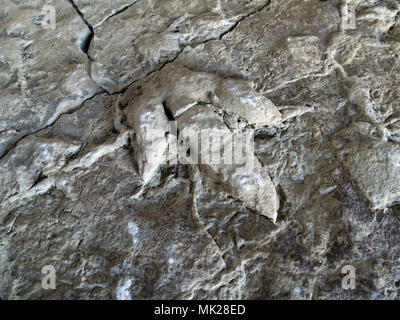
(189, 98)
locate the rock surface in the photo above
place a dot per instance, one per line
(88, 185)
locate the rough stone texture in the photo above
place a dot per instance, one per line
(43, 73)
(84, 120)
(97, 12)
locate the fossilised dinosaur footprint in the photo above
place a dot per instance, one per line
(189, 98)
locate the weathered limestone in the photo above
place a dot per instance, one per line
(43, 73)
(96, 12)
(373, 164)
(85, 113)
(156, 32)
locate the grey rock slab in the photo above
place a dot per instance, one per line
(373, 164)
(43, 72)
(84, 187)
(152, 33)
(96, 12)
(269, 48)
